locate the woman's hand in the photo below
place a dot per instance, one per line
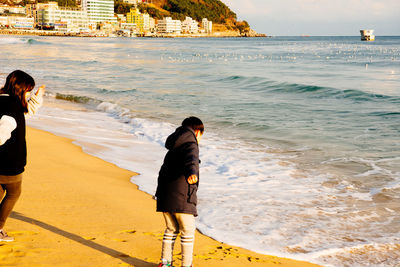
(40, 91)
(35, 101)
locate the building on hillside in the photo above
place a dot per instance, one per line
(135, 17)
(50, 16)
(190, 25)
(17, 22)
(4, 9)
(132, 2)
(99, 10)
(4, 21)
(128, 26)
(152, 24)
(30, 10)
(207, 25)
(149, 23)
(135, 2)
(169, 25)
(121, 18)
(144, 23)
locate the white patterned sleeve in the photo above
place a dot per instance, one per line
(7, 125)
(33, 105)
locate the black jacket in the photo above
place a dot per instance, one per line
(174, 193)
(13, 151)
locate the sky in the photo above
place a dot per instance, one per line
(319, 17)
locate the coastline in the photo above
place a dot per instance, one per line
(78, 210)
(72, 34)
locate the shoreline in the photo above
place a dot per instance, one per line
(71, 34)
(90, 214)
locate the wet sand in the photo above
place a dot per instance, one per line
(78, 210)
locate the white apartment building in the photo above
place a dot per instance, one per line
(69, 19)
(132, 2)
(17, 22)
(146, 22)
(12, 9)
(135, 2)
(99, 10)
(152, 24)
(121, 18)
(190, 25)
(207, 25)
(149, 23)
(169, 25)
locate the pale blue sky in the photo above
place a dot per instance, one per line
(319, 17)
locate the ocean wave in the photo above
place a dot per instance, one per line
(375, 254)
(112, 109)
(253, 80)
(13, 40)
(315, 91)
(385, 114)
(77, 99)
(268, 87)
(116, 92)
(234, 78)
(33, 41)
(116, 110)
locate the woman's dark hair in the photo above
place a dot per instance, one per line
(194, 123)
(18, 83)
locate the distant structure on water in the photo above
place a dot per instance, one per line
(367, 35)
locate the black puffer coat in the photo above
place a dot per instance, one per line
(13, 152)
(174, 193)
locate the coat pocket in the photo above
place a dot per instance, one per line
(192, 194)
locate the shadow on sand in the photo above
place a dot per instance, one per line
(106, 250)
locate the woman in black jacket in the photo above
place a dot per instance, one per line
(177, 188)
(15, 103)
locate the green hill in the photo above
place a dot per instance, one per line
(213, 10)
(221, 15)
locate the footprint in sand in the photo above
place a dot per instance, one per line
(22, 233)
(127, 231)
(123, 233)
(10, 253)
(221, 252)
(159, 236)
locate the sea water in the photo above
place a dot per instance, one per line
(301, 153)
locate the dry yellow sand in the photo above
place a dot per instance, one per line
(78, 210)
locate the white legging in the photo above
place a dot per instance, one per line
(185, 225)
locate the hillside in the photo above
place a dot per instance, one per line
(213, 10)
(223, 18)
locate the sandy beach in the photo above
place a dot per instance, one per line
(78, 210)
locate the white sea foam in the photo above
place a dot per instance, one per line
(376, 254)
(247, 197)
(13, 40)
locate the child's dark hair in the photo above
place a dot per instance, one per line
(194, 123)
(18, 83)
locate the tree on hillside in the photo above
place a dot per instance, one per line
(152, 11)
(66, 3)
(213, 10)
(121, 7)
(243, 26)
(61, 3)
